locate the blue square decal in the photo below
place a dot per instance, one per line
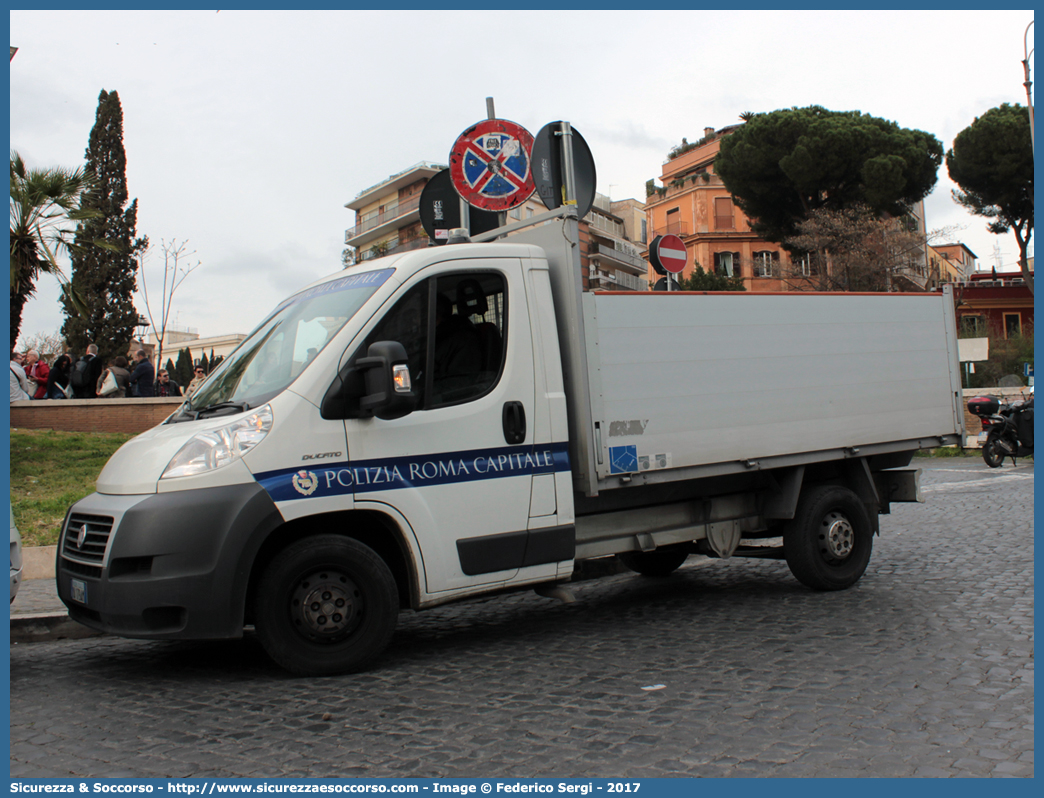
(623, 459)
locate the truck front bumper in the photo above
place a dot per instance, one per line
(166, 565)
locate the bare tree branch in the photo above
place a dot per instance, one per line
(174, 273)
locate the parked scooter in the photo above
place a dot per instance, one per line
(1009, 428)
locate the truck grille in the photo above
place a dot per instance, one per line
(84, 542)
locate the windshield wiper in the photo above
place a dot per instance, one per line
(242, 407)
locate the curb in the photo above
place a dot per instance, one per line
(46, 627)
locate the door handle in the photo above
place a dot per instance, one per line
(514, 422)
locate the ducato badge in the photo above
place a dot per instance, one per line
(305, 482)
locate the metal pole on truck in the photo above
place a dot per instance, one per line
(569, 178)
(492, 114)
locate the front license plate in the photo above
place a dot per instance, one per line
(79, 591)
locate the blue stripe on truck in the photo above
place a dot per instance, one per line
(417, 471)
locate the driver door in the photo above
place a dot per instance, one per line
(459, 468)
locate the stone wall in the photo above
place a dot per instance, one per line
(972, 424)
(92, 415)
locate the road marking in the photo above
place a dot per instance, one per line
(974, 482)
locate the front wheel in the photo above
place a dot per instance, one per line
(325, 605)
(992, 451)
(827, 544)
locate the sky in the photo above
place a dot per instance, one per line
(247, 132)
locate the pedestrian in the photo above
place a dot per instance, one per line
(19, 382)
(118, 369)
(85, 374)
(197, 380)
(165, 386)
(36, 371)
(58, 380)
(141, 379)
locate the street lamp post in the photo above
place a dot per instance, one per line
(1028, 84)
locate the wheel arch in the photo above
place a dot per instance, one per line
(370, 527)
(854, 474)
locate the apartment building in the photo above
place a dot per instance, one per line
(694, 204)
(994, 302)
(387, 221)
(953, 262)
(387, 215)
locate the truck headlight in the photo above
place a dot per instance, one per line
(206, 451)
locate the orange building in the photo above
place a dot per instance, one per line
(694, 204)
(952, 262)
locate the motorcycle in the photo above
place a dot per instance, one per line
(1008, 428)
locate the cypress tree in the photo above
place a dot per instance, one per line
(170, 370)
(184, 367)
(106, 278)
(204, 363)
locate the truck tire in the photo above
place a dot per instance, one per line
(827, 544)
(653, 563)
(992, 453)
(326, 604)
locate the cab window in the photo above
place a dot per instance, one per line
(454, 329)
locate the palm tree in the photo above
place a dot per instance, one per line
(43, 203)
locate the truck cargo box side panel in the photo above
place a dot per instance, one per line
(693, 379)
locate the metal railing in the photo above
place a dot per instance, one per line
(677, 229)
(628, 281)
(622, 257)
(388, 214)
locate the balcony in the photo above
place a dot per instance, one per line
(677, 229)
(602, 254)
(600, 279)
(684, 185)
(395, 247)
(424, 170)
(392, 218)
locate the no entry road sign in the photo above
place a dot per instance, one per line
(490, 165)
(670, 252)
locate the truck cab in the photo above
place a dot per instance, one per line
(415, 409)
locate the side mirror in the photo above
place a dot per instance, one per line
(376, 385)
(389, 390)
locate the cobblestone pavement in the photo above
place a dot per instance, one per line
(925, 668)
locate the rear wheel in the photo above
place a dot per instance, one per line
(828, 543)
(326, 604)
(992, 452)
(653, 563)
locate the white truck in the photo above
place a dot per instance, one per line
(465, 419)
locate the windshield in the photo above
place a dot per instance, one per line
(274, 354)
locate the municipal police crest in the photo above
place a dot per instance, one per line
(305, 482)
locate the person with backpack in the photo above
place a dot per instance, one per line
(85, 374)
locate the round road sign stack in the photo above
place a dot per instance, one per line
(490, 165)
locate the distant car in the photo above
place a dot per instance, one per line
(16, 558)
